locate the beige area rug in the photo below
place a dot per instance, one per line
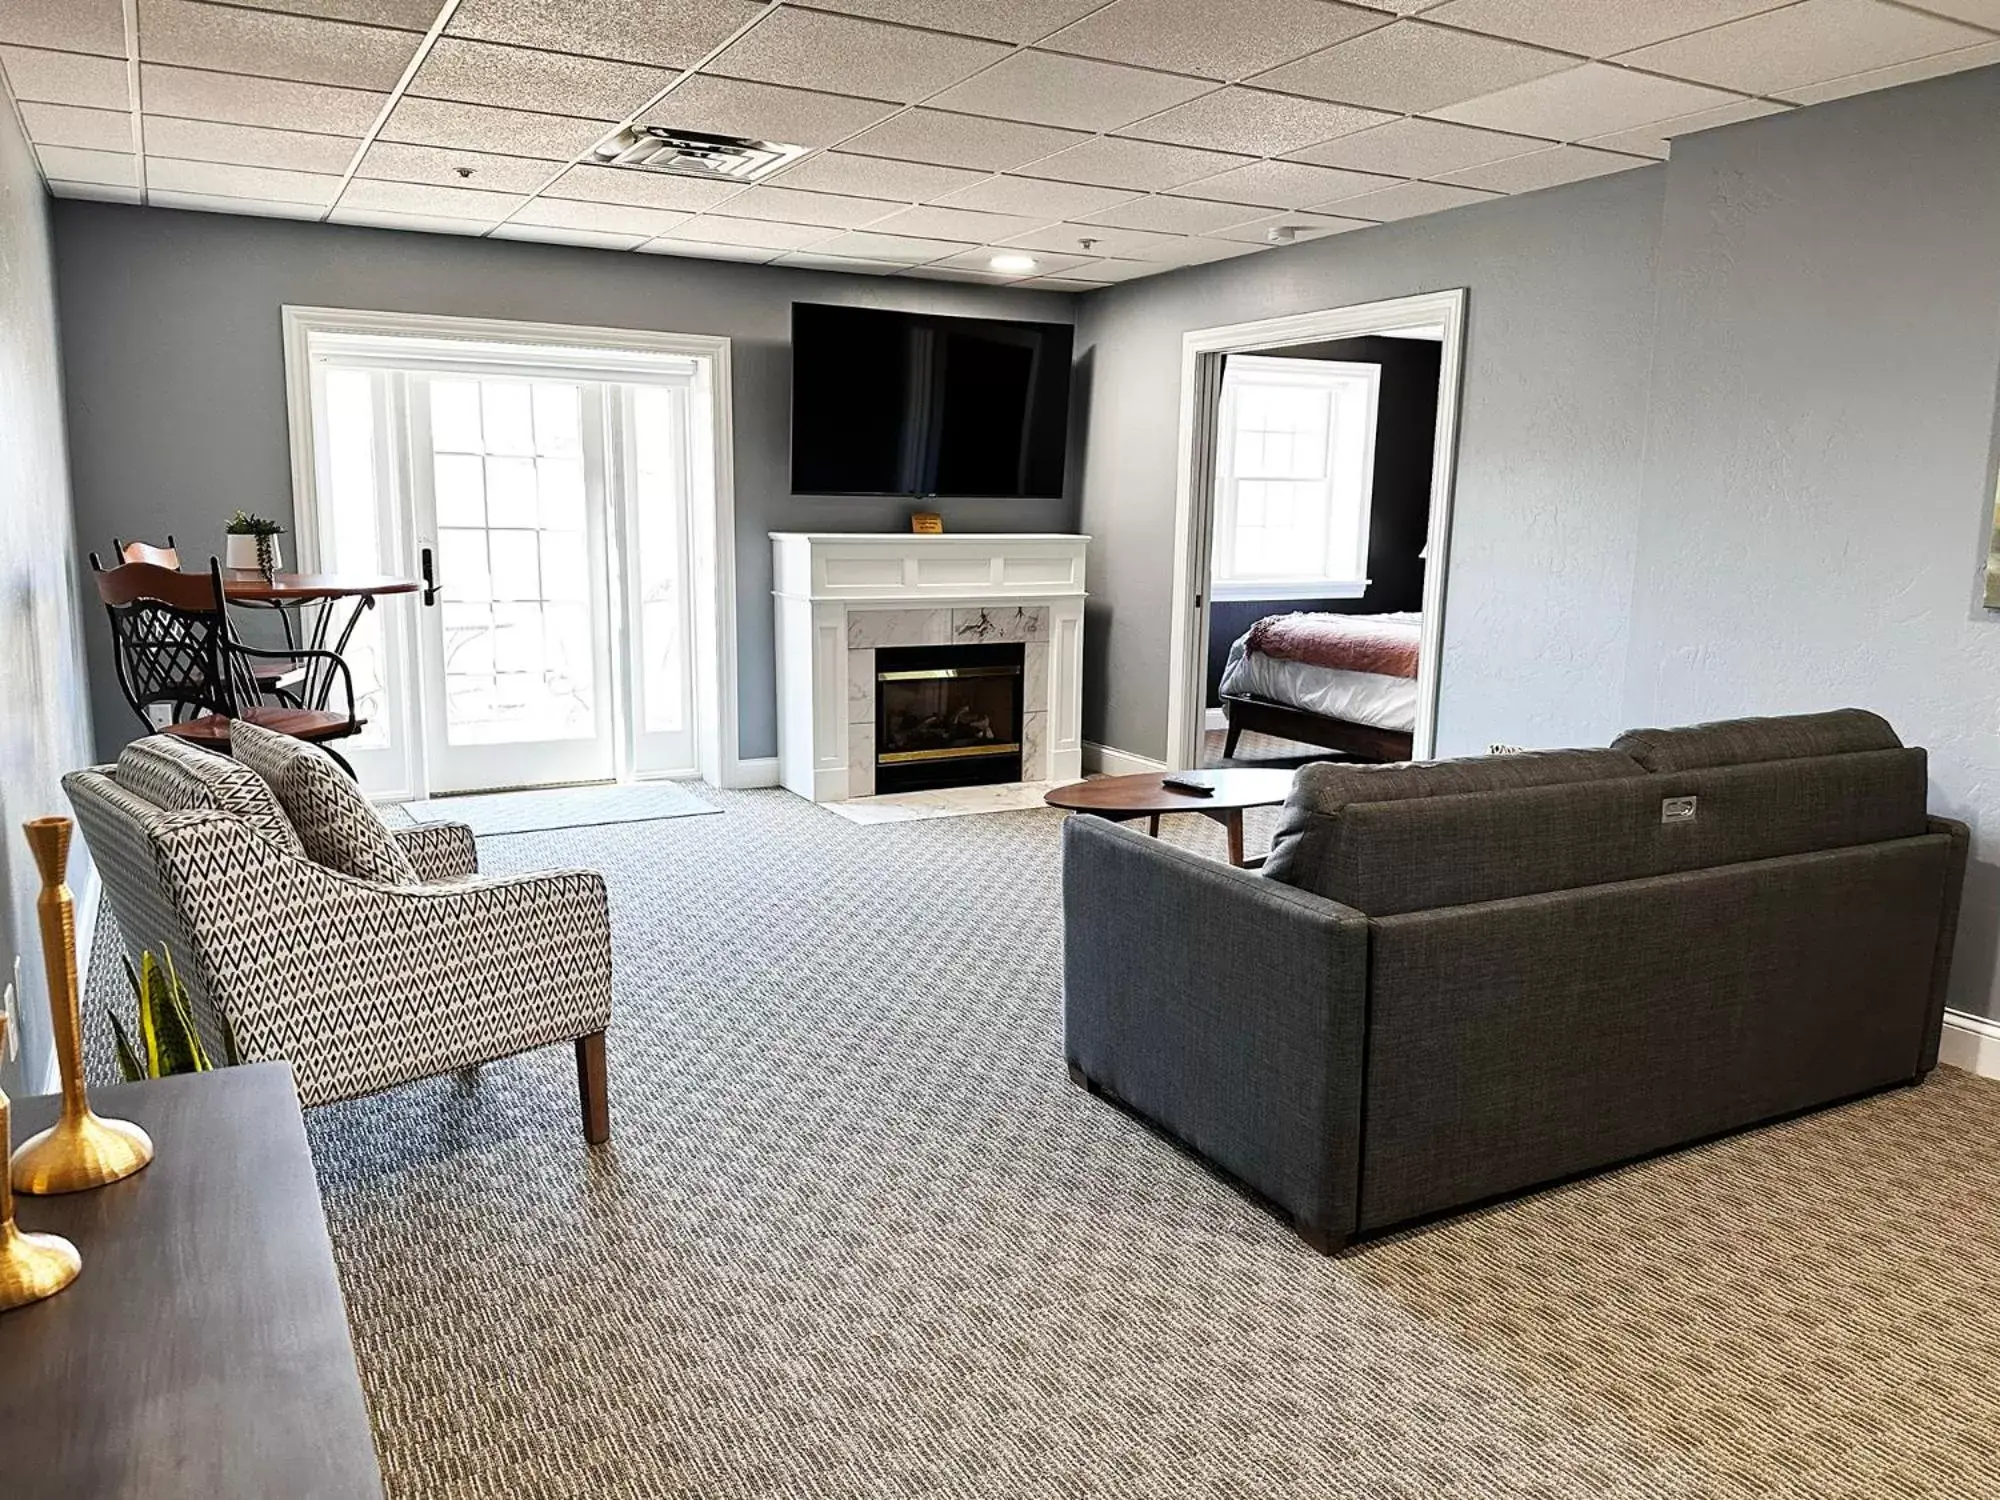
(857, 1236)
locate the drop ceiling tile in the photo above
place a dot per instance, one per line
(420, 223)
(520, 78)
(1202, 252)
(1143, 166)
(393, 161)
(79, 164)
(589, 239)
(798, 117)
(223, 203)
(1189, 36)
(1013, 21)
(1061, 284)
(1034, 195)
(1045, 88)
(1410, 199)
(641, 189)
(480, 127)
(410, 15)
(1047, 263)
(376, 196)
(1547, 168)
(1654, 139)
(807, 260)
(194, 94)
(209, 140)
(1108, 272)
(843, 55)
(1307, 227)
(68, 125)
(1284, 184)
(271, 45)
(1979, 12)
(599, 218)
(909, 249)
(1593, 99)
(709, 250)
(941, 223)
(933, 135)
(1117, 244)
(1807, 43)
(66, 78)
(1411, 67)
(1593, 28)
(787, 205)
(939, 272)
(875, 177)
(749, 233)
(668, 33)
(1255, 121)
(1419, 148)
(227, 180)
(94, 192)
(67, 25)
(1935, 66)
(1169, 215)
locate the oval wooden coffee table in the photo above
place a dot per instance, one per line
(1123, 798)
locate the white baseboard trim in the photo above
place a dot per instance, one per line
(1109, 762)
(1215, 719)
(747, 774)
(1971, 1043)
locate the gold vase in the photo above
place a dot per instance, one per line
(32, 1266)
(80, 1150)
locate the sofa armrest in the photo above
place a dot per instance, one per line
(362, 986)
(1227, 1007)
(1954, 889)
(440, 851)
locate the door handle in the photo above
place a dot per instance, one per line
(430, 578)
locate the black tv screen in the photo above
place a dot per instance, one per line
(889, 403)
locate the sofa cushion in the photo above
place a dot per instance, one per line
(339, 827)
(1738, 742)
(178, 777)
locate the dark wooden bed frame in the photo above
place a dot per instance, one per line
(1362, 741)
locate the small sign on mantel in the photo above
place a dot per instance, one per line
(927, 523)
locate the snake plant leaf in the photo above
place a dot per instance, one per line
(180, 1045)
(129, 1066)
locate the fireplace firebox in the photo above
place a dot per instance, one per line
(947, 716)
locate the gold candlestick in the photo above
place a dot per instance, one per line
(32, 1266)
(80, 1150)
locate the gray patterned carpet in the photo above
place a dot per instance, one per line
(857, 1236)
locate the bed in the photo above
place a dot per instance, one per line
(1344, 682)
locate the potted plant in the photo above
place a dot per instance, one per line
(251, 542)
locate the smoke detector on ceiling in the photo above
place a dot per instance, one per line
(695, 153)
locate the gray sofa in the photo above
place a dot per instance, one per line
(1454, 981)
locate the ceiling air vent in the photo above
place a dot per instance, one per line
(695, 153)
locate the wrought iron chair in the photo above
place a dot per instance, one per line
(174, 650)
(274, 679)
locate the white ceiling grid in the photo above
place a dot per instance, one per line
(1105, 139)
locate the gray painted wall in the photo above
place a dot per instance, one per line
(1546, 514)
(45, 729)
(177, 392)
(1819, 478)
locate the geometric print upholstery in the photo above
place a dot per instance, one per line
(440, 851)
(178, 777)
(338, 826)
(359, 986)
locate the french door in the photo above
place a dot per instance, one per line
(546, 505)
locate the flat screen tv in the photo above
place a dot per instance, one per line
(889, 403)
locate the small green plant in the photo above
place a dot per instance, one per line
(245, 524)
(166, 1026)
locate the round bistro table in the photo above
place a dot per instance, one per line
(1123, 798)
(342, 599)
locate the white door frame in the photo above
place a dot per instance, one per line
(1203, 352)
(712, 570)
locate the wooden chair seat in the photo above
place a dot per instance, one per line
(311, 724)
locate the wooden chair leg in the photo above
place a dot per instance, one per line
(1235, 733)
(594, 1088)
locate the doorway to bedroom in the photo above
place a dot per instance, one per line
(1314, 509)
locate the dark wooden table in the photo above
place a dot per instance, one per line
(341, 599)
(203, 1354)
(1123, 798)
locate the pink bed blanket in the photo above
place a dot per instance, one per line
(1350, 643)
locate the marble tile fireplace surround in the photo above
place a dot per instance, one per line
(843, 597)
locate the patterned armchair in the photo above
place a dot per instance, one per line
(359, 985)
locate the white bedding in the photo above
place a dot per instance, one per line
(1357, 697)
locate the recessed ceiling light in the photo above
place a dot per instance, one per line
(1013, 263)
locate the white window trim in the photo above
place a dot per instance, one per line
(712, 570)
(1280, 371)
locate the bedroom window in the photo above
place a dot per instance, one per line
(1295, 468)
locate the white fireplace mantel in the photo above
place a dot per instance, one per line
(840, 595)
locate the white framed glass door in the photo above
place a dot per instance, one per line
(651, 424)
